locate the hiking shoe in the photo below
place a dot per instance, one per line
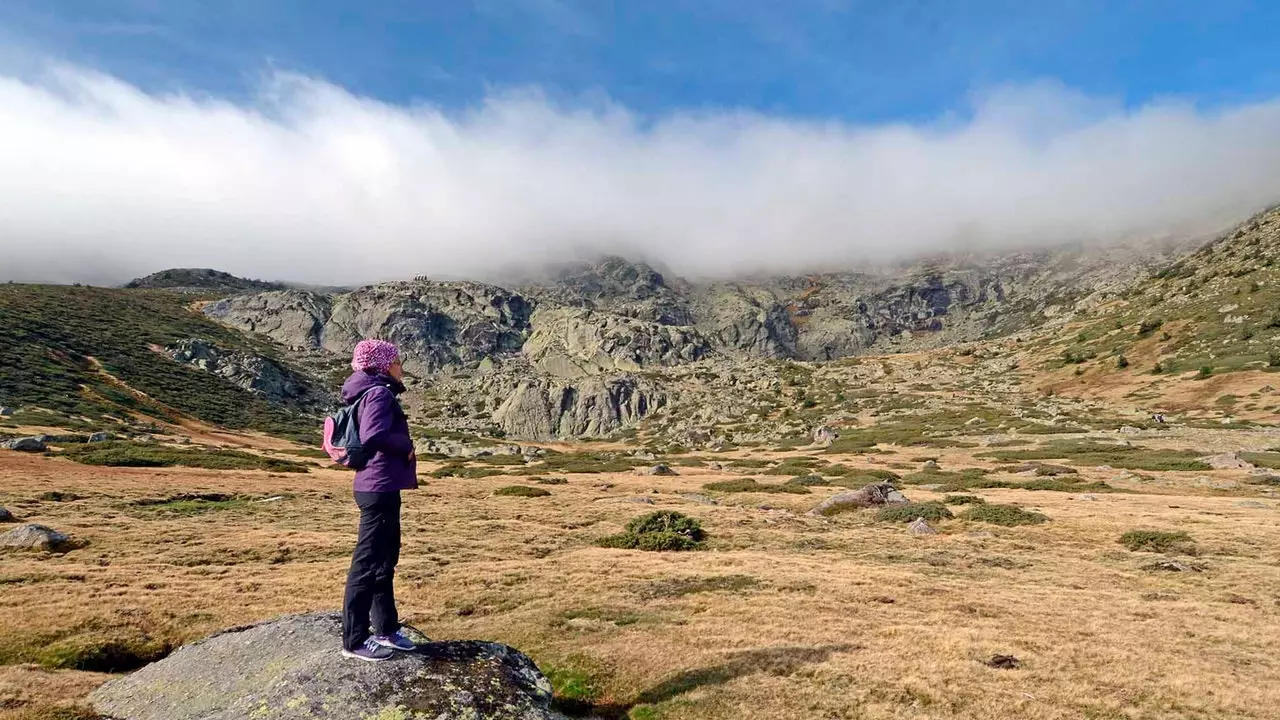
(397, 641)
(370, 651)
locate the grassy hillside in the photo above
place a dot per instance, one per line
(1216, 310)
(93, 353)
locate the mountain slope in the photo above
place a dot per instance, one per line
(102, 354)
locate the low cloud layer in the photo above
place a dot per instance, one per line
(100, 182)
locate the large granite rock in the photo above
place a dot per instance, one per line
(573, 342)
(292, 669)
(30, 536)
(542, 409)
(254, 373)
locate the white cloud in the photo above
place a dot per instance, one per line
(101, 182)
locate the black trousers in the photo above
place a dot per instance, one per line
(370, 583)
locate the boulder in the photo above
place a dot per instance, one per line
(660, 469)
(5, 411)
(6, 516)
(929, 465)
(26, 444)
(1227, 461)
(30, 536)
(920, 527)
(99, 437)
(874, 495)
(292, 668)
(824, 435)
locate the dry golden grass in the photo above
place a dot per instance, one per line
(830, 618)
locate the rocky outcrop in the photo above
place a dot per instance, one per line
(254, 373)
(292, 669)
(293, 318)
(542, 409)
(26, 444)
(572, 342)
(6, 516)
(436, 324)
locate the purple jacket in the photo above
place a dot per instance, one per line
(384, 430)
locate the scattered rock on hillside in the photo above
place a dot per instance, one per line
(30, 536)
(660, 469)
(1003, 662)
(5, 411)
(920, 527)
(292, 668)
(99, 437)
(929, 465)
(26, 444)
(824, 435)
(1227, 461)
(6, 516)
(874, 495)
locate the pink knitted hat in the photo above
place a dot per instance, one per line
(374, 354)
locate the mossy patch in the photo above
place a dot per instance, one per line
(750, 485)
(524, 491)
(128, 454)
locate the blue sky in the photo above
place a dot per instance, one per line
(850, 60)
(469, 138)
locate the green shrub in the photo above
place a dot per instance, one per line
(1146, 327)
(1205, 371)
(1122, 362)
(1006, 515)
(750, 485)
(521, 491)
(932, 511)
(548, 480)
(127, 454)
(664, 530)
(1157, 541)
(963, 500)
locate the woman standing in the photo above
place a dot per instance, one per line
(392, 467)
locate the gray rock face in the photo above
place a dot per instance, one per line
(660, 469)
(293, 318)
(251, 372)
(435, 324)
(26, 444)
(292, 669)
(545, 409)
(824, 435)
(99, 437)
(571, 343)
(30, 536)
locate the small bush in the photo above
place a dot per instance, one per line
(1273, 359)
(1157, 541)
(1122, 362)
(963, 500)
(931, 511)
(809, 481)
(1146, 327)
(521, 491)
(1205, 371)
(664, 530)
(548, 480)
(1006, 515)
